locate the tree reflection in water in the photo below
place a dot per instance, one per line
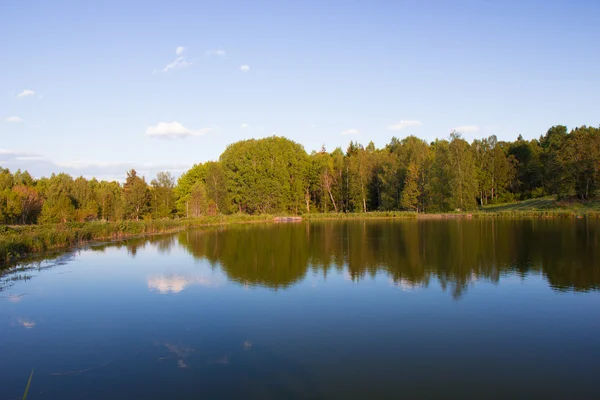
(455, 252)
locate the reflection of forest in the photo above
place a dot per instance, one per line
(456, 252)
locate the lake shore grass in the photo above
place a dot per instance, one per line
(20, 242)
(544, 207)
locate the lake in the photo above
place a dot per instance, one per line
(365, 309)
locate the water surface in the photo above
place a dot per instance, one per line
(328, 310)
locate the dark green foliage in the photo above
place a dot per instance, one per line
(137, 195)
(267, 175)
(163, 196)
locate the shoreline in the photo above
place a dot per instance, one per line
(19, 243)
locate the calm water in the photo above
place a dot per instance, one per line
(332, 310)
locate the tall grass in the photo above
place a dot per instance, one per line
(21, 241)
(27, 388)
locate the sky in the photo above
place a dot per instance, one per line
(98, 89)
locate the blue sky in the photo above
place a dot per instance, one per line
(95, 89)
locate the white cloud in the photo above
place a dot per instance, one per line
(173, 130)
(179, 63)
(39, 166)
(312, 126)
(350, 132)
(176, 283)
(17, 155)
(245, 68)
(245, 126)
(217, 52)
(466, 129)
(14, 119)
(27, 324)
(26, 92)
(404, 124)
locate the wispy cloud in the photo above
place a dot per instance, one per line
(352, 131)
(19, 155)
(245, 126)
(312, 126)
(113, 171)
(25, 93)
(38, 166)
(244, 68)
(466, 129)
(216, 52)
(14, 119)
(178, 63)
(404, 124)
(173, 130)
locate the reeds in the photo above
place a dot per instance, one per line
(21, 241)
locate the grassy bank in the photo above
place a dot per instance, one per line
(545, 207)
(17, 242)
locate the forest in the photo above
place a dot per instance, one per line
(276, 175)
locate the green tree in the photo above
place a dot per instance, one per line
(137, 195)
(463, 175)
(163, 196)
(439, 190)
(411, 193)
(59, 209)
(266, 175)
(59, 205)
(185, 183)
(197, 204)
(31, 203)
(580, 161)
(216, 187)
(529, 168)
(110, 201)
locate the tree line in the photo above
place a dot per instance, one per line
(276, 175)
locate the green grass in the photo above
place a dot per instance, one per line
(546, 207)
(27, 388)
(543, 203)
(18, 242)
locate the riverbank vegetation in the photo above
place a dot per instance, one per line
(17, 242)
(276, 176)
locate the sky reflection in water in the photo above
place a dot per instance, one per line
(358, 309)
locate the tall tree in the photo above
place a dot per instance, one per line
(216, 187)
(267, 175)
(137, 195)
(31, 203)
(462, 173)
(197, 204)
(411, 193)
(163, 196)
